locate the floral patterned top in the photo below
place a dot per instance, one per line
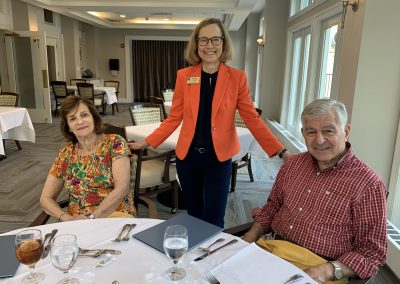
(88, 178)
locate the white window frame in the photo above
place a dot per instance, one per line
(327, 23)
(315, 22)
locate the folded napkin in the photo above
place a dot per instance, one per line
(255, 265)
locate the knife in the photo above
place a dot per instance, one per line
(218, 248)
(48, 246)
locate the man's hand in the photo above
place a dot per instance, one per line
(321, 273)
(138, 145)
(254, 233)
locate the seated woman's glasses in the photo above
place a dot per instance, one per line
(203, 41)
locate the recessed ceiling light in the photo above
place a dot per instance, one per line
(122, 16)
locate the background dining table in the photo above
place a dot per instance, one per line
(138, 262)
(15, 123)
(248, 144)
(110, 96)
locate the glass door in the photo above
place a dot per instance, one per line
(28, 72)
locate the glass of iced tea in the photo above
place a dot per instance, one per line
(29, 250)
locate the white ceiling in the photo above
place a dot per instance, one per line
(153, 14)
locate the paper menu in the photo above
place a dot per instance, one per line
(255, 265)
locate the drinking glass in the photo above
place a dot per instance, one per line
(64, 252)
(175, 246)
(29, 250)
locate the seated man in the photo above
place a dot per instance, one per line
(327, 200)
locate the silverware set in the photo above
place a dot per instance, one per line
(127, 227)
(207, 249)
(215, 250)
(48, 238)
(97, 252)
(210, 277)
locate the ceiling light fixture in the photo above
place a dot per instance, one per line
(122, 16)
(345, 3)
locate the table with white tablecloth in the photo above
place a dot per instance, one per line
(247, 142)
(15, 123)
(110, 96)
(138, 262)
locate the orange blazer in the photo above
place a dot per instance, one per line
(231, 93)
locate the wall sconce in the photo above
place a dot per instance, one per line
(260, 41)
(345, 3)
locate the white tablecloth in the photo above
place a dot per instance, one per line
(138, 263)
(168, 106)
(15, 123)
(247, 142)
(110, 96)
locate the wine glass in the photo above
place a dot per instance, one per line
(64, 252)
(175, 246)
(29, 250)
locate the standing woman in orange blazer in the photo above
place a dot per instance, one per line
(205, 100)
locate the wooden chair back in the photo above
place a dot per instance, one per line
(9, 99)
(160, 102)
(145, 113)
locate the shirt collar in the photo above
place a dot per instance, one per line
(343, 161)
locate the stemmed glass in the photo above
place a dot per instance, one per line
(64, 252)
(29, 250)
(175, 246)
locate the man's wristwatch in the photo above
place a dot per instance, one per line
(91, 216)
(282, 152)
(338, 273)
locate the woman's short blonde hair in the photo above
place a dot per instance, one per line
(191, 52)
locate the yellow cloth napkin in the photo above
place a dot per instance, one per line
(295, 254)
(119, 214)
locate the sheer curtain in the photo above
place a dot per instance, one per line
(154, 65)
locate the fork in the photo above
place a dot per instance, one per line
(131, 226)
(207, 249)
(118, 238)
(211, 278)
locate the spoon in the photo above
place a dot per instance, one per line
(207, 249)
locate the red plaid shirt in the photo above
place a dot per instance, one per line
(338, 212)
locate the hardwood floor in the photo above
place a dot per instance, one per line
(23, 173)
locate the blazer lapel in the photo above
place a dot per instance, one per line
(222, 83)
(195, 92)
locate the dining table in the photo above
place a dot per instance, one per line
(15, 123)
(110, 96)
(141, 263)
(247, 142)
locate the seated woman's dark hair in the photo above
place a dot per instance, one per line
(71, 103)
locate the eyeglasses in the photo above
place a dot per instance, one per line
(203, 41)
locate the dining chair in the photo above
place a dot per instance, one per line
(10, 99)
(246, 159)
(115, 85)
(145, 113)
(60, 93)
(86, 90)
(153, 174)
(73, 82)
(160, 102)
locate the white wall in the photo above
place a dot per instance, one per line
(376, 106)
(275, 19)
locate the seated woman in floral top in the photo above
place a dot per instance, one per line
(93, 167)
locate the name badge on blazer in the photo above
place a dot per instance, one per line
(193, 80)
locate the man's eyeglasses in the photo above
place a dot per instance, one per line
(203, 41)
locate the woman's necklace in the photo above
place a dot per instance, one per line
(84, 152)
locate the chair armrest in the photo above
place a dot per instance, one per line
(151, 207)
(238, 230)
(43, 217)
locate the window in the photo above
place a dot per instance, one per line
(329, 45)
(48, 16)
(298, 5)
(298, 79)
